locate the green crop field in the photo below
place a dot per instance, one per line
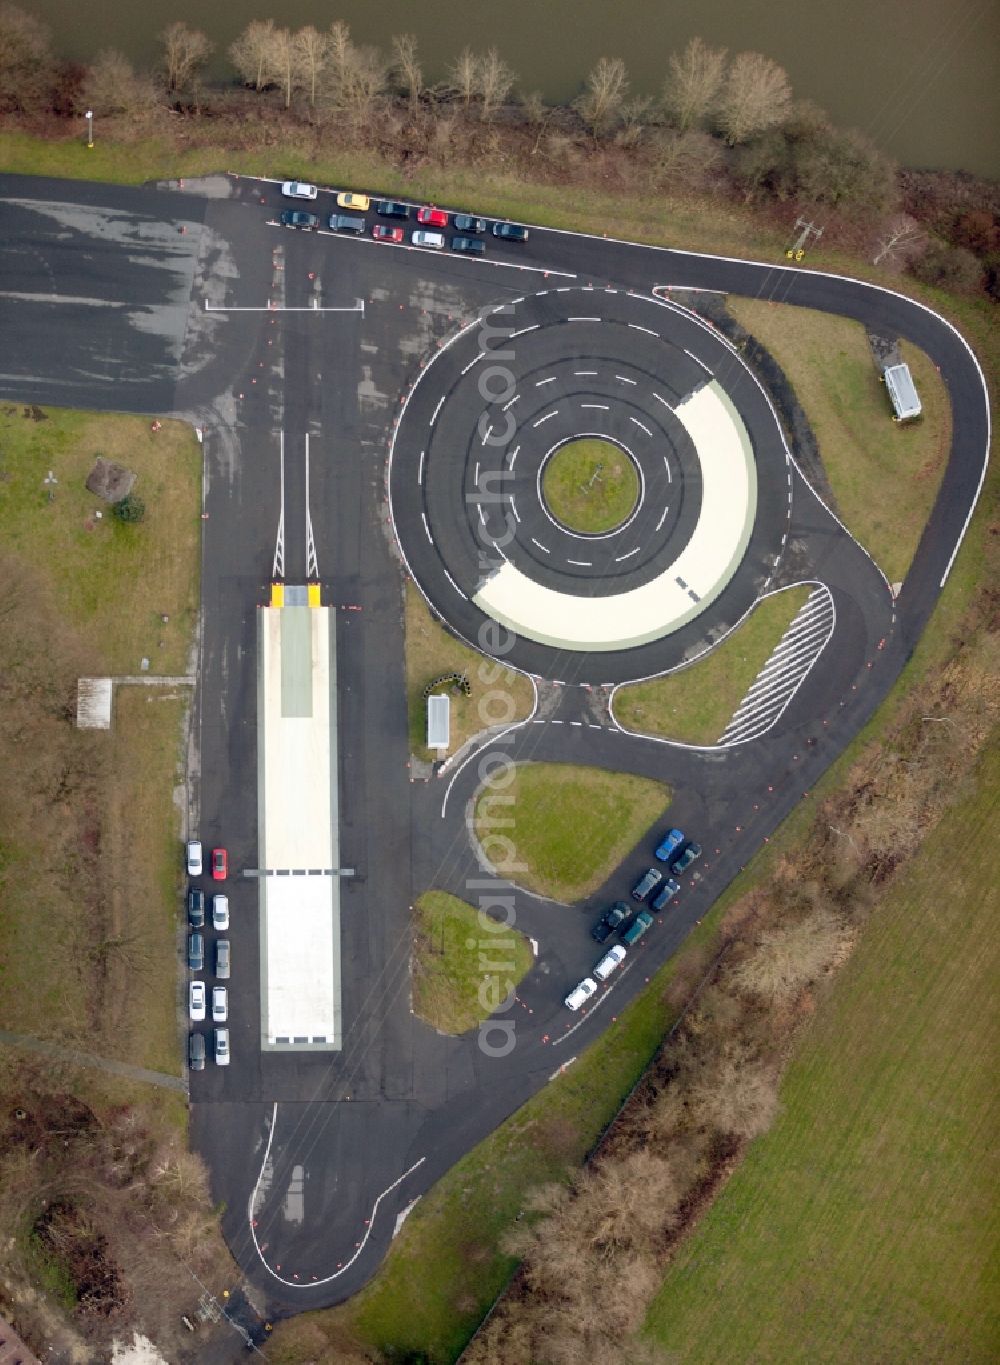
(864, 1226)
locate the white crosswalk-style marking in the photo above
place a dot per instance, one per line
(785, 671)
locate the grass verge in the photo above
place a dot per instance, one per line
(590, 485)
(569, 827)
(113, 583)
(464, 964)
(696, 704)
(498, 695)
(885, 475)
(864, 1226)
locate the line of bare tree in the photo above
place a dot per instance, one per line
(720, 124)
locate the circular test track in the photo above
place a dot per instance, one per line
(650, 377)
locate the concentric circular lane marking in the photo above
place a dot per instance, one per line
(504, 556)
(562, 496)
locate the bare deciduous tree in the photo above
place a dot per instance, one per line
(603, 95)
(26, 64)
(899, 240)
(463, 75)
(253, 54)
(692, 88)
(755, 95)
(185, 51)
(406, 66)
(113, 86)
(494, 81)
(310, 58)
(685, 160)
(285, 70)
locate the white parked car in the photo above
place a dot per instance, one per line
(196, 1000)
(433, 239)
(222, 1047)
(220, 1005)
(611, 959)
(579, 995)
(193, 854)
(220, 913)
(297, 189)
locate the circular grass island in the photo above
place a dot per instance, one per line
(590, 486)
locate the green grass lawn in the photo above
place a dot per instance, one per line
(696, 704)
(865, 1225)
(569, 826)
(498, 695)
(462, 971)
(590, 485)
(884, 474)
(114, 583)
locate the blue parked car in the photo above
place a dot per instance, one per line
(671, 841)
(670, 890)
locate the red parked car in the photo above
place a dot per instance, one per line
(220, 864)
(383, 233)
(432, 217)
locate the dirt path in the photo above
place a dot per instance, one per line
(68, 1054)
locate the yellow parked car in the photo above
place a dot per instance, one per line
(358, 202)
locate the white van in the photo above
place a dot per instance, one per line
(611, 959)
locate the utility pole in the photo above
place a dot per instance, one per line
(805, 229)
(90, 129)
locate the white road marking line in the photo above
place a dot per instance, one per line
(513, 508)
(540, 545)
(583, 374)
(486, 436)
(648, 330)
(525, 330)
(482, 515)
(624, 379)
(696, 360)
(663, 518)
(437, 410)
(666, 466)
(641, 425)
(453, 583)
(427, 529)
(581, 563)
(584, 319)
(475, 474)
(620, 558)
(511, 403)
(474, 361)
(513, 457)
(539, 382)
(601, 407)
(420, 471)
(662, 400)
(553, 413)
(577, 722)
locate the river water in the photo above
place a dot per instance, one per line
(921, 77)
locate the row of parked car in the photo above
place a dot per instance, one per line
(469, 231)
(678, 853)
(198, 1004)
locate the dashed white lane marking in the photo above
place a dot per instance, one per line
(581, 563)
(648, 330)
(487, 434)
(474, 361)
(511, 403)
(545, 418)
(663, 517)
(440, 405)
(482, 514)
(475, 474)
(696, 360)
(453, 583)
(513, 457)
(540, 545)
(666, 466)
(660, 399)
(585, 374)
(577, 722)
(539, 382)
(786, 669)
(525, 330)
(641, 425)
(624, 379)
(584, 319)
(513, 508)
(420, 470)
(600, 407)
(620, 558)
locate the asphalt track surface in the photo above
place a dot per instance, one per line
(156, 300)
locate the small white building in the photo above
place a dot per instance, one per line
(902, 392)
(438, 721)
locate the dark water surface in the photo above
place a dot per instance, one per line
(921, 77)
